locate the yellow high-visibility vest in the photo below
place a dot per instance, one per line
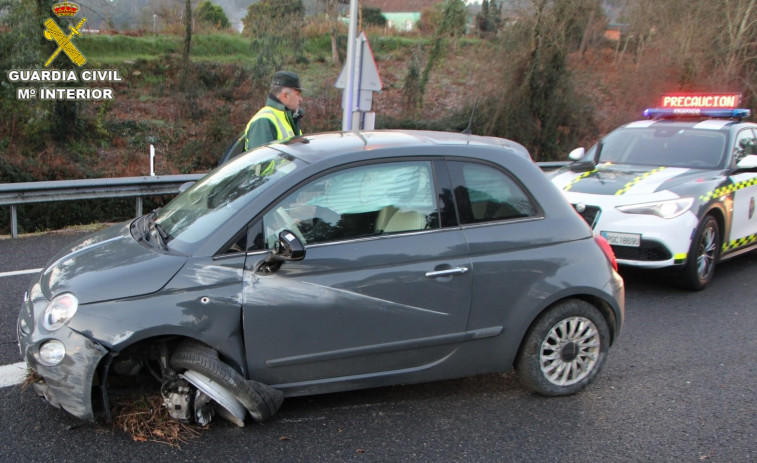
(284, 131)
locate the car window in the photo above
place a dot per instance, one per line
(665, 146)
(487, 194)
(368, 200)
(200, 210)
(745, 144)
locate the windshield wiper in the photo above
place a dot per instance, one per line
(155, 230)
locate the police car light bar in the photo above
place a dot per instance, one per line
(701, 100)
(726, 113)
(714, 105)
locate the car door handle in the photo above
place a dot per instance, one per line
(447, 272)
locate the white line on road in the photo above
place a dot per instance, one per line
(13, 374)
(20, 272)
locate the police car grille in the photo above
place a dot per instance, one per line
(590, 214)
(648, 251)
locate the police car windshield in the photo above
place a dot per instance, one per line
(665, 146)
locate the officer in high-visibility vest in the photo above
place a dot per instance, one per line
(280, 118)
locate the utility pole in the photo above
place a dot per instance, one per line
(348, 100)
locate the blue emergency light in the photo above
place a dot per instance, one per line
(715, 113)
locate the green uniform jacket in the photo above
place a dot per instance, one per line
(273, 122)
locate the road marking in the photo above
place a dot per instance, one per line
(20, 272)
(11, 375)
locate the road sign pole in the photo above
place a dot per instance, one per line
(348, 94)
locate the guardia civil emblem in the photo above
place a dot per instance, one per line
(55, 33)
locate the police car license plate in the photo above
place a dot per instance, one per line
(622, 239)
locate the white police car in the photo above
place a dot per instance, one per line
(676, 190)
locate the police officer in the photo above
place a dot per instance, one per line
(280, 118)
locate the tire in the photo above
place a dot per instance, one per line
(564, 349)
(262, 401)
(703, 255)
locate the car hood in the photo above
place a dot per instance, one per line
(623, 179)
(108, 265)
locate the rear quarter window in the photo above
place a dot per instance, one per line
(487, 194)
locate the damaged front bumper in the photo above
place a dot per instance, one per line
(68, 384)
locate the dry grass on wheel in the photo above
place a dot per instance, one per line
(146, 420)
(31, 378)
(141, 416)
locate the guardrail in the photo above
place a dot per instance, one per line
(15, 194)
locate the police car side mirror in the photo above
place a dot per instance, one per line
(748, 162)
(577, 154)
(579, 164)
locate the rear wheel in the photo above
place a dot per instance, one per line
(564, 349)
(703, 255)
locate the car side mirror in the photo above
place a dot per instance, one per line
(748, 162)
(577, 154)
(287, 248)
(580, 164)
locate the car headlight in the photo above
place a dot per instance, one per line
(60, 310)
(665, 209)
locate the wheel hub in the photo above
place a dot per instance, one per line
(569, 351)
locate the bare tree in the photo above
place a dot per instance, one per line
(333, 9)
(188, 31)
(740, 35)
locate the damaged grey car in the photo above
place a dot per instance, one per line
(331, 262)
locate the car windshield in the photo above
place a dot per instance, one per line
(196, 213)
(665, 146)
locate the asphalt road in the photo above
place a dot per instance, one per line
(680, 385)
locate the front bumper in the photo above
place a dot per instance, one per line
(664, 242)
(67, 385)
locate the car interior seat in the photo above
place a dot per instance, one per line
(391, 220)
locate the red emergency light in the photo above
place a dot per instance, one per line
(688, 105)
(700, 100)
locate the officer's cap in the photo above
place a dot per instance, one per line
(287, 79)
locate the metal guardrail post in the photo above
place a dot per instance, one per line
(139, 206)
(14, 222)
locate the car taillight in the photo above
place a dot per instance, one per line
(607, 249)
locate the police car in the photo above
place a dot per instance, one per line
(676, 190)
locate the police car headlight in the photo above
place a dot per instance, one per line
(60, 310)
(665, 209)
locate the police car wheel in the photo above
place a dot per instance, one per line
(703, 255)
(564, 349)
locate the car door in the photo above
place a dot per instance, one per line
(383, 288)
(744, 222)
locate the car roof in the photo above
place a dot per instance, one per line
(703, 124)
(317, 147)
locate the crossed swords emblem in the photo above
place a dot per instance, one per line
(53, 32)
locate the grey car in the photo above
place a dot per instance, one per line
(332, 262)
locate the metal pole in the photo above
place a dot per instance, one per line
(359, 45)
(14, 222)
(139, 206)
(347, 96)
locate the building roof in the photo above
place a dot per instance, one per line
(391, 6)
